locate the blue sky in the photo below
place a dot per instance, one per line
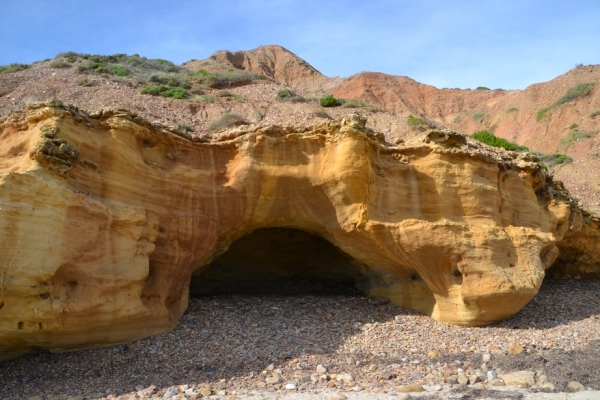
(499, 44)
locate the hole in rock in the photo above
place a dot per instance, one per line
(280, 261)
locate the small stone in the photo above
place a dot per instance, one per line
(478, 386)
(541, 379)
(515, 348)
(522, 379)
(172, 391)
(437, 388)
(498, 382)
(290, 386)
(230, 398)
(453, 380)
(372, 367)
(463, 380)
(338, 396)
(270, 367)
(548, 385)
(410, 389)
(344, 378)
(575, 386)
(487, 357)
(491, 375)
(272, 379)
(261, 384)
(432, 354)
(221, 393)
(321, 369)
(358, 388)
(473, 379)
(205, 391)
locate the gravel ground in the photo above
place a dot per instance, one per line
(325, 337)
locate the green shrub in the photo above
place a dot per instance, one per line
(478, 116)
(415, 122)
(119, 70)
(218, 80)
(482, 88)
(492, 140)
(165, 91)
(329, 101)
(577, 91)
(175, 92)
(7, 69)
(594, 114)
(176, 80)
(555, 159)
(457, 119)
(227, 120)
(542, 114)
(284, 94)
(512, 109)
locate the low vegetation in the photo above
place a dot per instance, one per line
(551, 160)
(329, 101)
(479, 116)
(227, 120)
(574, 136)
(175, 92)
(594, 114)
(512, 109)
(220, 80)
(574, 93)
(416, 123)
(59, 64)
(7, 69)
(542, 114)
(492, 140)
(482, 88)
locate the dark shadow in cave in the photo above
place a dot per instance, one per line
(282, 262)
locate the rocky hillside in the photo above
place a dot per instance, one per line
(200, 96)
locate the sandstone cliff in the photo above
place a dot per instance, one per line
(106, 217)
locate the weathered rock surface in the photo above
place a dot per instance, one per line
(105, 218)
(275, 62)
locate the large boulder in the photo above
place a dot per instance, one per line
(105, 218)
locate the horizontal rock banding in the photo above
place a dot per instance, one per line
(104, 222)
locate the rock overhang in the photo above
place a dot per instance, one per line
(105, 217)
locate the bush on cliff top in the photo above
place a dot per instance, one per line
(7, 69)
(492, 140)
(227, 120)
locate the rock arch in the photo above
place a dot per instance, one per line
(106, 216)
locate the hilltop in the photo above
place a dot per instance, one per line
(272, 85)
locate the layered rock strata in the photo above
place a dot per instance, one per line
(105, 217)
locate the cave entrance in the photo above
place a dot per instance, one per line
(280, 261)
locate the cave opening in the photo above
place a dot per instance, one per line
(283, 262)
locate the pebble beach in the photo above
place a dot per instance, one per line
(329, 340)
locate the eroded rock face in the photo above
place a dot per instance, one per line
(105, 217)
